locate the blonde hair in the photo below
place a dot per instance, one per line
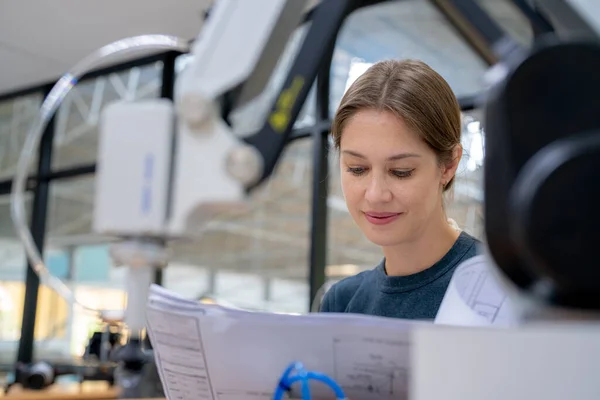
(415, 93)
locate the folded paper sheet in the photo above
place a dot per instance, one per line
(475, 298)
(211, 352)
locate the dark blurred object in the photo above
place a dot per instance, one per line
(101, 344)
(95, 365)
(542, 152)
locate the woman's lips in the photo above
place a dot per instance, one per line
(381, 218)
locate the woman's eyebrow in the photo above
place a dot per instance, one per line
(398, 156)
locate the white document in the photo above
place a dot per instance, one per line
(475, 298)
(210, 352)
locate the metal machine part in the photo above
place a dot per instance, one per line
(38, 375)
(543, 140)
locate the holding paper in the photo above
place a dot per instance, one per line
(215, 353)
(210, 352)
(475, 298)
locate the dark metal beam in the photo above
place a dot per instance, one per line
(469, 103)
(41, 194)
(476, 27)
(167, 90)
(90, 75)
(307, 131)
(320, 181)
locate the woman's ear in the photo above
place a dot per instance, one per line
(449, 168)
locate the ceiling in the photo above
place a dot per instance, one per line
(40, 40)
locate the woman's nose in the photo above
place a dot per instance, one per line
(378, 190)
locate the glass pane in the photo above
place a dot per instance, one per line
(465, 202)
(403, 29)
(508, 16)
(52, 323)
(590, 10)
(52, 313)
(16, 117)
(76, 132)
(81, 258)
(12, 286)
(258, 259)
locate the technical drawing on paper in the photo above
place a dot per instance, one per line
(480, 291)
(229, 394)
(369, 366)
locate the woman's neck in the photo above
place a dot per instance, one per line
(421, 253)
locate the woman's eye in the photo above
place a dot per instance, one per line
(402, 173)
(357, 170)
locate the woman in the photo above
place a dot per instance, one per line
(398, 131)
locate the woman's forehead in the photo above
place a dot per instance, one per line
(379, 132)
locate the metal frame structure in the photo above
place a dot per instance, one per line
(317, 65)
(44, 176)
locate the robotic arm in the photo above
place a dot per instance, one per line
(166, 168)
(162, 163)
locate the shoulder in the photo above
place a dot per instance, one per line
(469, 246)
(464, 248)
(339, 295)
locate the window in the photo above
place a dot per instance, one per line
(465, 201)
(12, 284)
(16, 117)
(76, 130)
(256, 259)
(510, 19)
(81, 258)
(403, 29)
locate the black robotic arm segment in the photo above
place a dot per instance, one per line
(325, 24)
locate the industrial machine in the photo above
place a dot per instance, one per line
(167, 167)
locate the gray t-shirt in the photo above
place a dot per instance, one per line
(416, 296)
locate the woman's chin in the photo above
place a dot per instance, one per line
(385, 240)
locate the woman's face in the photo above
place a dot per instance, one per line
(391, 179)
